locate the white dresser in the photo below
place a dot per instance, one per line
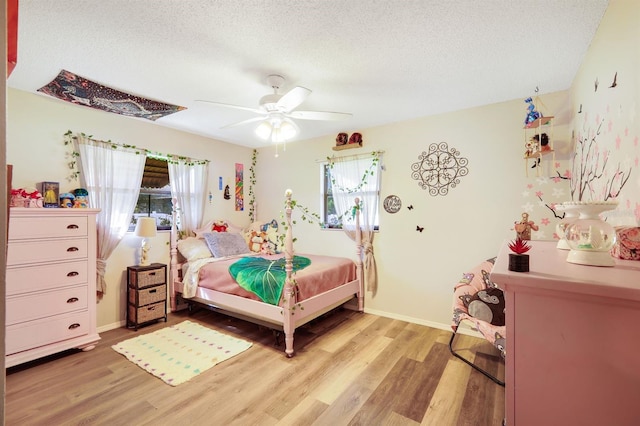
(51, 282)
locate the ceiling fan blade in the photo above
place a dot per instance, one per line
(240, 123)
(293, 98)
(319, 115)
(257, 111)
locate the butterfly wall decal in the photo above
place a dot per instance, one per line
(615, 81)
(419, 228)
(410, 207)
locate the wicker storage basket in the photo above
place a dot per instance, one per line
(147, 278)
(147, 296)
(146, 313)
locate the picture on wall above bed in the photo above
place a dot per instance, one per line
(439, 168)
(70, 87)
(239, 187)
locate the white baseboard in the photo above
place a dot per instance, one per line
(112, 326)
(463, 329)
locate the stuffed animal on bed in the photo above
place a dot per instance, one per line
(256, 241)
(219, 226)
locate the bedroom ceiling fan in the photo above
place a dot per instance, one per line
(277, 112)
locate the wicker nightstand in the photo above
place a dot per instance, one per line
(147, 294)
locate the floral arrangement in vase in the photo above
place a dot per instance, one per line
(518, 260)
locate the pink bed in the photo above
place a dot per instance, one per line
(328, 282)
(323, 274)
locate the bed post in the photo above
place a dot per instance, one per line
(359, 255)
(173, 252)
(289, 286)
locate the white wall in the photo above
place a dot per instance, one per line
(615, 49)
(35, 147)
(417, 270)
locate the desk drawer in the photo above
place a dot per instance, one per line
(46, 304)
(45, 277)
(20, 252)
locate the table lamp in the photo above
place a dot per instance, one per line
(145, 228)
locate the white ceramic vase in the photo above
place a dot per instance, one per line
(590, 238)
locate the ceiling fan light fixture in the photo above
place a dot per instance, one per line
(264, 130)
(288, 129)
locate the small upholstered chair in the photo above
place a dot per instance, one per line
(478, 300)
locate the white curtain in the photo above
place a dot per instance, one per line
(113, 177)
(188, 182)
(359, 178)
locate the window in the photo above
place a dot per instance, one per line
(343, 181)
(155, 195)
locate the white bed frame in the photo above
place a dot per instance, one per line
(291, 314)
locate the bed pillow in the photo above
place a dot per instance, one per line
(193, 248)
(223, 244)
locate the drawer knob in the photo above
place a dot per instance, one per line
(71, 249)
(72, 226)
(74, 325)
(72, 300)
(151, 308)
(72, 274)
(153, 291)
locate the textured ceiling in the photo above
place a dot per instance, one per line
(382, 61)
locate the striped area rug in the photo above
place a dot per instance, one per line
(180, 352)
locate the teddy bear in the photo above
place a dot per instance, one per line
(256, 241)
(219, 226)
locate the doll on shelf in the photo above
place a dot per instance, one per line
(524, 227)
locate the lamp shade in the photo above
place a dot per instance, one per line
(146, 227)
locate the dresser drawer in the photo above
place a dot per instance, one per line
(147, 313)
(20, 252)
(148, 295)
(47, 227)
(45, 304)
(28, 335)
(43, 277)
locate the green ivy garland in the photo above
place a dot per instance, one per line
(315, 218)
(72, 155)
(252, 183)
(363, 180)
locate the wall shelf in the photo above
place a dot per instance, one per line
(542, 121)
(347, 146)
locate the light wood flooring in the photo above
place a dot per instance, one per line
(350, 368)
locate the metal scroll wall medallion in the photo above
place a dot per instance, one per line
(439, 169)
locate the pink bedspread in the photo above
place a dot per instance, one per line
(324, 273)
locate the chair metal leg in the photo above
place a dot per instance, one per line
(486, 373)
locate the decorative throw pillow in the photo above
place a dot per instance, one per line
(193, 249)
(272, 236)
(488, 305)
(223, 244)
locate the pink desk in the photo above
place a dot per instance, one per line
(573, 340)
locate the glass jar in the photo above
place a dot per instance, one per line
(570, 214)
(589, 237)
